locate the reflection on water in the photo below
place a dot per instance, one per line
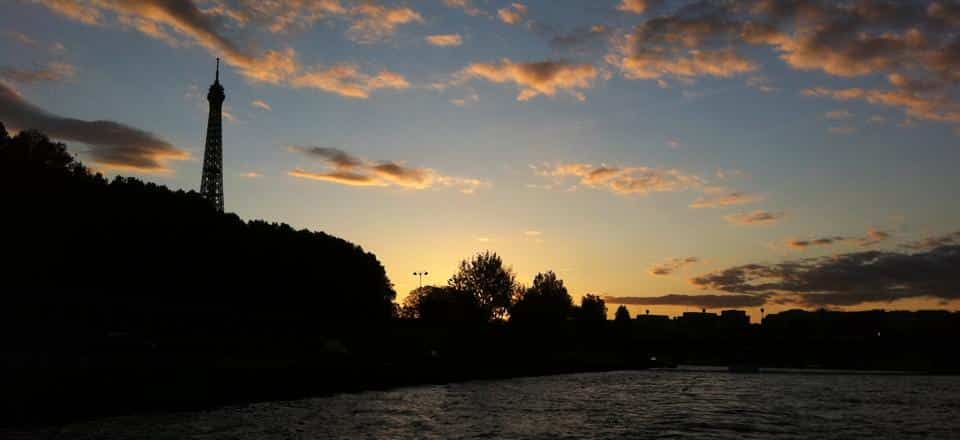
(644, 404)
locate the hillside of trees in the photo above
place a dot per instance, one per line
(135, 253)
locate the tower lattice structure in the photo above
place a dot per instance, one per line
(211, 185)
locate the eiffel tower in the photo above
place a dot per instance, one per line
(211, 185)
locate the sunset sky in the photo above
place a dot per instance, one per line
(776, 153)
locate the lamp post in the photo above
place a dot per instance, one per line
(421, 275)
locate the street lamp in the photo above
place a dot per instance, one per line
(421, 275)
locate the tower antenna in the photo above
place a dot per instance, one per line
(218, 70)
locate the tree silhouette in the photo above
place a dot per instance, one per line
(443, 305)
(622, 314)
(488, 281)
(546, 301)
(592, 309)
(4, 137)
(124, 253)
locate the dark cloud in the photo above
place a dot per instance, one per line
(951, 238)
(848, 279)
(112, 144)
(582, 40)
(873, 237)
(823, 241)
(754, 218)
(704, 301)
(337, 158)
(346, 169)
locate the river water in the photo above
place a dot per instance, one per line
(683, 403)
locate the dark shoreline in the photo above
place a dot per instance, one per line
(94, 394)
(49, 398)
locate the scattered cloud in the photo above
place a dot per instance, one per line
(758, 217)
(346, 169)
(910, 44)
(256, 103)
(445, 40)
(378, 22)
(727, 199)
(112, 144)
(637, 6)
(878, 119)
(532, 233)
(252, 175)
(24, 39)
(347, 80)
(917, 106)
(674, 144)
(672, 265)
(639, 180)
(703, 301)
(512, 14)
(581, 41)
(838, 114)
(537, 78)
(466, 5)
(874, 236)
(847, 279)
(183, 23)
(53, 72)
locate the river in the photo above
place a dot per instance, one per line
(684, 403)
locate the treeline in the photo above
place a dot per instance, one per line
(484, 290)
(85, 254)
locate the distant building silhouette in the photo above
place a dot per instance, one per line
(211, 185)
(734, 319)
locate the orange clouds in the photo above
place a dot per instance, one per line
(53, 72)
(726, 199)
(256, 103)
(445, 40)
(347, 80)
(167, 21)
(466, 5)
(910, 43)
(636, 6)
(671, 265)
(512, 14)
(655, 64)
(758, 217)
(345, 169)
(377, 22)
(539, 78)
(935, 108)
(625, 180)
